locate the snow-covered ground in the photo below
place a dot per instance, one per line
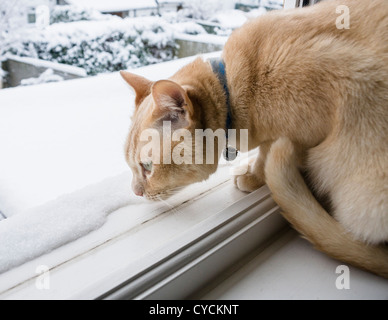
(53, 138)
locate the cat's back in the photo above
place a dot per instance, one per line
(289, 48)
(359, 23)
(302, 58)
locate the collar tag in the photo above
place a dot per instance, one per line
(230, 153)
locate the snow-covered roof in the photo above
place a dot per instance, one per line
(114, 5)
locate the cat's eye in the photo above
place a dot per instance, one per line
(147, 166)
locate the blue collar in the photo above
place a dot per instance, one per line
(218, 67)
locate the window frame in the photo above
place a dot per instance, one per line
(214, 245)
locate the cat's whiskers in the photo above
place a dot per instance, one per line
(162, 197)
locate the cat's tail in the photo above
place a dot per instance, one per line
(308, 217)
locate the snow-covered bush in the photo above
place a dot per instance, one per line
(74, 13)
(189, 27)
(268, 4)
(101, 46)
(202, 9)
(12, 15)
(205, 9)
(272, 4)
(221, 17)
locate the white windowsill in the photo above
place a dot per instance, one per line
(291, 269)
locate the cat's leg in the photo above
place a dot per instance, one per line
(254, 178)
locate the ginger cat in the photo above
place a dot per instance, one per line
(314, 98)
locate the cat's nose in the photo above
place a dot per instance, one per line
(138, 189)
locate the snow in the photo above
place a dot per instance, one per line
(49, 65)
(57, 138)
(114, 5)
(188, 27)
(69, 13)
(204, 9)
(99, 46)
(203, 38)
(44, 228)
(45, 77)
(256, 13)
(91, 29)
(113, 43)
(230, 18)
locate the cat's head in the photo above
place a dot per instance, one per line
(159, 174)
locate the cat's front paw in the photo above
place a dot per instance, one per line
(248, 182)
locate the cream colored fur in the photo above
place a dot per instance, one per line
(313, 97)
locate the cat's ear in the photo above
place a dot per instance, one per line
(142, 86)
(171, 103)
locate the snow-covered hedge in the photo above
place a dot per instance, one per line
(100, 46)
(73, 13)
